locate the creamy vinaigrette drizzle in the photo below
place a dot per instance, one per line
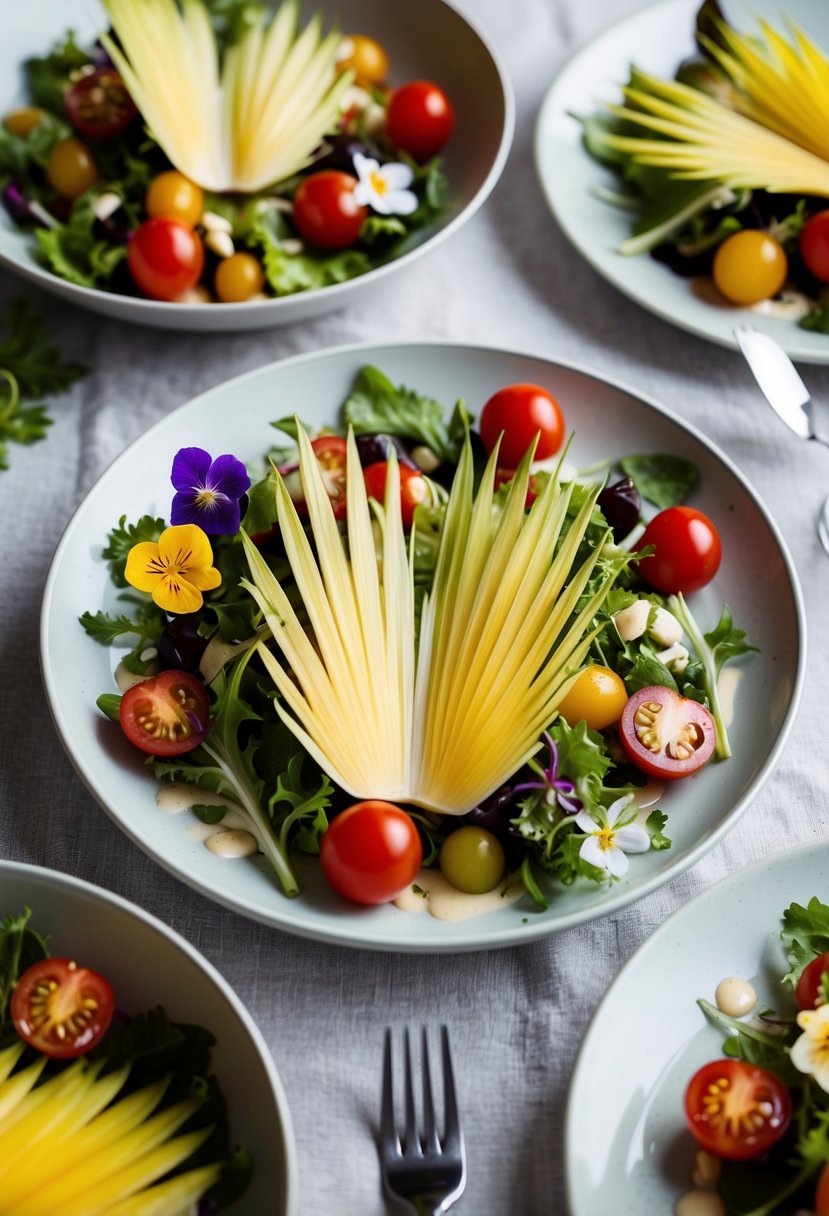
(441, 900)
(229, 838)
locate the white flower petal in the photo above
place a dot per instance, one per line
(586, 822)
(615, 809)
(381, 203)
(363, 194)
(364, 166)
(593, 853)
(401, 202)
(616, 862)
(397, 176)
(633, 839)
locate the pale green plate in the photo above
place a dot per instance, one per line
(756, 579)
(627, 1150)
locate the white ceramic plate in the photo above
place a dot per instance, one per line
(627, 1150)
(148, 965)
(431, 40)
(757, 580)
(656, 39)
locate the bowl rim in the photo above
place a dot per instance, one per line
(149, 309)
(62, 879)
(355, 935)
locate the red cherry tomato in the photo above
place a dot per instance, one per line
(61, 1009)
(688, 551)
(822, 1194)
(165, 257)
(522, 411)
(371, 852)
(167, 714)
(814, 245)
(325, 211)
(414, 488)
(666, 735)
(420, 119)
(809, 991)
(736, 1110)
(99, 105)
(331, 453)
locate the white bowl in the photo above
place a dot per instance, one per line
(430, 40)
(148, 965)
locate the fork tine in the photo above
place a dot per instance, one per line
(388, 1135)
(451, 1117)
(410, 1140)
(430, 1141)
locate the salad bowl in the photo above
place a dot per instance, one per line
(639, 1156)
(433, 40)
(610, 420)
(150, 965)
(655, 39)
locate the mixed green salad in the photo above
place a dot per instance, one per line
(761, 1114)
(414, 641)
(725, 169)
(103, 1114)
(214, 151)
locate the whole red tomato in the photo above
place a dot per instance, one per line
(687, 553)
(325, 211)
(165, 257)
(420, 119)
(371, 852)
(518, 413)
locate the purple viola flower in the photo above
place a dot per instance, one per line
(558, 789)
(208, 491)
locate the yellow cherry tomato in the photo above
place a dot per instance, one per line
(70, 168)
(22, 121)
(173, 196)
(472, 860)
(750, 266)
(597, 697)
(365, 57)
(238, 278)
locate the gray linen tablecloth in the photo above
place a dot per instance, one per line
(517, 1015)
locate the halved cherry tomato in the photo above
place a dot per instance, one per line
(504, 476)
(821, 1204)
(809, 990)
(167, 714)
(99, 105)
(325, 211)
(666, 735)
(736, 1110)
(688, 551)
(165, 257)
(420, 119)
(371, 852)
(814, 245)
(597, 697)
(414, 488)
(61, 1009)
(522, 411)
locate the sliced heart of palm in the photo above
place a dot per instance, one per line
(442, 719)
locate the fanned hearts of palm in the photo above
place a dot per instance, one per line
(777, 139)
(240, 124)
(441, 722)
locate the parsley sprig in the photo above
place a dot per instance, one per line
(30, 367)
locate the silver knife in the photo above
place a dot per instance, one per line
(781, 385)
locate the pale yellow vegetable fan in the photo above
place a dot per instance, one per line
(443, 721)
(238, 125)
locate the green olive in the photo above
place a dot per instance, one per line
(472, 860)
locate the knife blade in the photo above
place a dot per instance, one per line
(778, 380)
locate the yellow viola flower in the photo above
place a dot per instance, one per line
(810, 1053)
(175, 570)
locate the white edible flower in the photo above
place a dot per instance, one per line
(384, 188)
(606, 845)
(665, 629)
(810, 1053)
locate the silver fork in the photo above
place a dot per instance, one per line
(426, 1170)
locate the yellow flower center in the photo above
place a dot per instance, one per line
(606, 838)
(206, 497)
(379, 183)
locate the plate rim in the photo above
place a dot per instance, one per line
(356, 936)
(160, 312)
(735, 879)
(550, 107)
(102, 895)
